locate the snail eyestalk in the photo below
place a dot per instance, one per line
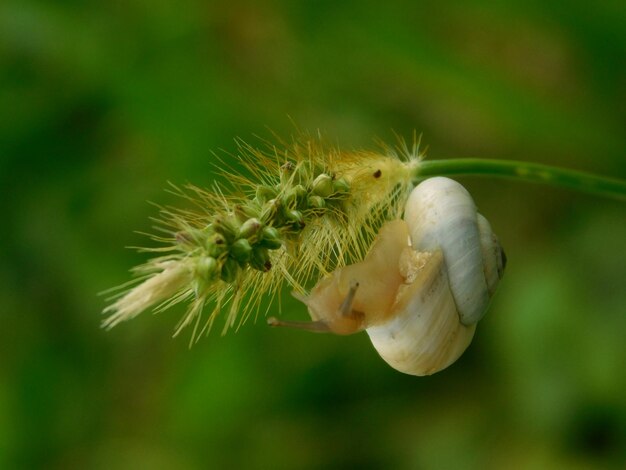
(312, 326)
(346, 306)
(523, 171)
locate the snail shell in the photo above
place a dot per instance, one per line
(422, 287)
(441, 215)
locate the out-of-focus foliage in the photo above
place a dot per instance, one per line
(101, 103)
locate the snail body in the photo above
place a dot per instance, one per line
(425, 283)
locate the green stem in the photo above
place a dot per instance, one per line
(524, 171)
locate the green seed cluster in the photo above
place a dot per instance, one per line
(275, 214)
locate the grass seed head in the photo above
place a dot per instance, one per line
(292, 216)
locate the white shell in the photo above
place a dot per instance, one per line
(441, 215)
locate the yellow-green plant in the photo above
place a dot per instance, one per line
(294, 213)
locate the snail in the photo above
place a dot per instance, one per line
(425, 283)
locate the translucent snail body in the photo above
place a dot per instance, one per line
(422, 287)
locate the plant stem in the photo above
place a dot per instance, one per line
(524, 171)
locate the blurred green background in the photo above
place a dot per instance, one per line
(102, 103)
